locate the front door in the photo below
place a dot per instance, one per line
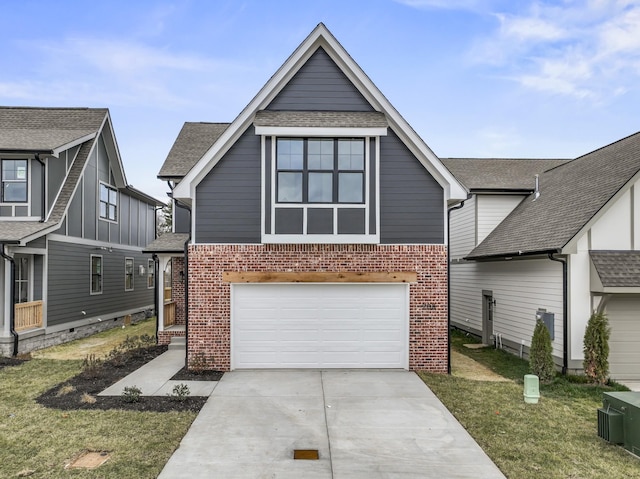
(487, 316)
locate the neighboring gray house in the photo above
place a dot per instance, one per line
(71, 228)
(558, 253)
(312, 228)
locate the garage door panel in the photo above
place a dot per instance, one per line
(319, 326)
(623, 313)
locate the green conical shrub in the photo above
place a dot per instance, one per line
(596, 349)
(540, 359)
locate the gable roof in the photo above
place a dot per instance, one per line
(193, 141)
(320, 37)
(499, 174)
(47, 130)
(617, 269)
(571, 197)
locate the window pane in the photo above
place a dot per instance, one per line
(112, 212)
(320, 154)
(104, 193)
(289, 154)
(15, 192)
(320, 187)
(351, 154)
(113, 197)
(290, 187)
(350, 187)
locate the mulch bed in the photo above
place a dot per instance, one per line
(73, 394)
(4, 362)
(189, 375)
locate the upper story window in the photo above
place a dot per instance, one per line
(108, 203)
(14, 181)
(320, 170)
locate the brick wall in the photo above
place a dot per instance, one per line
(209, 296)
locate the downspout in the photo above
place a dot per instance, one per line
(457, 207)
(43, 201)
(565, 318)
(156, 296)
(12, 306)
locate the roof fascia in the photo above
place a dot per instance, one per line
(572, 244)
(56, 152)
(320, 131)
(321, 37)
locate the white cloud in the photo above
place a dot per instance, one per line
(588, 49)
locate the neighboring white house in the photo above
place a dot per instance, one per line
(558, 251)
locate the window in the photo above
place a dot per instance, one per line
(320, 170)
(14, 181)
(128, 274)
(151, 274)
(108, 203)
(22, 279)
(96, 274)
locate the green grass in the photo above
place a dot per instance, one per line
(34, 438)
(556, 438)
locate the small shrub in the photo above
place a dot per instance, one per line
(180, 392)
(540, 359)
(198, 363)
(91, 366)
(596, 349)
(131, 394)
(87, 399)
(64, 390)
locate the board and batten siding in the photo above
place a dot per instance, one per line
(411, 200)
(491, 210)
(320, 85)
(463, 229)
(519, 288)
(227, 204)
(69, 280)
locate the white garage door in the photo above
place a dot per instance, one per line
(623, 313)
(312, 325)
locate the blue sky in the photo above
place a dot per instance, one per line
(475, 78)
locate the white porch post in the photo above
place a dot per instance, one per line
(5, 298)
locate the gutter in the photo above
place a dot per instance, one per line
(43, 201)
(565, 318)
(12, 306)
(449, 210)
(516, 254)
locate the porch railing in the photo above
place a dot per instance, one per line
(169, 314)
(28, 315)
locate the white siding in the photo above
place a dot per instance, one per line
(613, 229)
(492, 209)
(579, 297)
(463, 229)
(519, 288)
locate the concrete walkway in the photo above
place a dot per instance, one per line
(154, 378)
(363, 423)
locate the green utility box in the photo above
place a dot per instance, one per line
(619, 420)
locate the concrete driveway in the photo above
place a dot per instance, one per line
(363, 423)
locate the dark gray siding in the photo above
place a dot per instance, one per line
(69, 283)
(124, 219)
(228, 198)
(57, 170)
(90, 198)
(104, 167)
(74, 214)
(267, 187)
(36, 188)
(320, 85)
(38, 243)
(38, 262)
(411, 201)
(181, 217)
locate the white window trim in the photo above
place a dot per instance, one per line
(100, 218)
(91, 292)
(133, 273)
(335, 238)
(314, 132)
(16, 204)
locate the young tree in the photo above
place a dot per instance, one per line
(540, 359)
(596, 349)
(165, 219)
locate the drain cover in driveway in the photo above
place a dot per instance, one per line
(305, 454)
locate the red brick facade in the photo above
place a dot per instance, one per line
(209, 295)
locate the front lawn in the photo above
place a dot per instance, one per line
(38, 442)
(556, 438)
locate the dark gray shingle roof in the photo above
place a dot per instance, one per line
(617, 268)
(192, 143)
(168, 243)
(45, 129)
(321, 119)
(570, 195)
(498, 173)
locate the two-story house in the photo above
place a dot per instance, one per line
(71, 229)
(310, 232)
